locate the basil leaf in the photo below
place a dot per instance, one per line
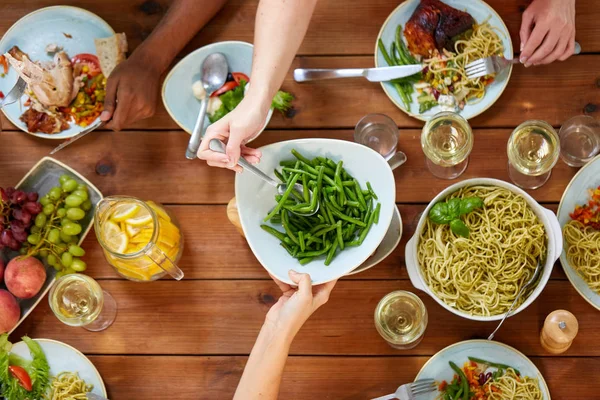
(454, 208)
(439, 213)
(459, 228)
(469, 204)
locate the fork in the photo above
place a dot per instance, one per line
(495, 65)
(15, 93)
(410, 390)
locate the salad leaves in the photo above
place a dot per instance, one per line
(449, 213)
(38, 370)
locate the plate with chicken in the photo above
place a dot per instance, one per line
(65, 55)
(444, 36)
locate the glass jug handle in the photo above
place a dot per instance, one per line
(163, 261)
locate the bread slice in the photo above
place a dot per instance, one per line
(111, 51)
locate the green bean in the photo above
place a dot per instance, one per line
(348, 183)
(289, 164)
(279, 176)
(365, 231)
(276, 233)
(403, 59)
(384, 53)
(354, 204)
(340, 236)
(287, 226)
(493, 364)
(289, 250)
(359, 195)
(395, 59)
(347, 218)
(334, 203)
(325, 230)
(377, 210)
(301, 240)
(331, 182)
(458, 394)
(371, 190)
(275, 220)
(331, 253)
(284, 197)
(299, 171)
(305, 260)
(463, 379)
(317, 252)
(300, 157)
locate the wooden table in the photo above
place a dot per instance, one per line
(191, 339)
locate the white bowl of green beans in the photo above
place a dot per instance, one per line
(356, 192)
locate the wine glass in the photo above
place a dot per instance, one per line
(579, 140)
(78, 300)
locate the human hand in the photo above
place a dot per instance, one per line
(296, 305)
(131, 93)
(235, 129)
(547, 32)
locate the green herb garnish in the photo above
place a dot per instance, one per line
(449, 213)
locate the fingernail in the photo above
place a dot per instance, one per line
(105, 115)
(522, 46)
(527, 65)
(523, 60)
(293, 272)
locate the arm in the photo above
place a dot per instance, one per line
(279, 31)
(263, 372)
(132, 87)
(547, 32)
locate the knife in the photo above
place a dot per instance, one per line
(373, 74)
(96, 124)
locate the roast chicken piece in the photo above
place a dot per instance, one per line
(433, 25)
(53, 83)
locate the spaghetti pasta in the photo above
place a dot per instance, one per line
(583, 252)
(483, 274)
(69, 386)
(511, 386)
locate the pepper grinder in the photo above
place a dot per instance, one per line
(560, 328)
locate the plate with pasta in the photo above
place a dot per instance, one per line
(445, 36)
(579, 217)
(486, 370)
(72, 374)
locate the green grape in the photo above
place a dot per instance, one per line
(61, 212)
(69, 185)
(57, 266)
(23, 251)
(64, 221)
(64, 272)
(60, 248)
(74, 200)
(81, 186)
(64, 178)
(66, 259)
(78, 265)
(48, 209)
(44, 253)
(35, 229)
(82, 193)
(54, 236)
(55, 193)
(86, 205)
(65, 238)
(76, 251)
(74, 239)
(72, 228)
(51, 259)
(45, 200)
(75, 214)
(34, 238)
(40, 220)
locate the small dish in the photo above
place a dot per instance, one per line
(34, 32)
(64, 358)
(177, 94)
(41, 178)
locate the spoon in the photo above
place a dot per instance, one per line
(214, 74)
(530, 282)
(218, 146)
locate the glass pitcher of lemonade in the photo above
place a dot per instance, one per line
(141, 239)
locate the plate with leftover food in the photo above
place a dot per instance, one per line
(579, 217)
(48, 369)
(182, 90)
(445, 36)
(64, 54)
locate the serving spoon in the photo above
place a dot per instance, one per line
(536, 275)
(214, 74)
(219, 147)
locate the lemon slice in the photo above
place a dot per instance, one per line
(139, 220)
(125, 211)
(161, 213)
(132, 230)
(129, 271)
(116, 240)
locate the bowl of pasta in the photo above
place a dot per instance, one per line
(476, 245)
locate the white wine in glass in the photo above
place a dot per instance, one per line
(78, 300)
(401, 319)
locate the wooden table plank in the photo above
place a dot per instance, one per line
(552, 93)
(308, 377)
(212, 242)
(152, 165)
(351, 29)
(195, 318)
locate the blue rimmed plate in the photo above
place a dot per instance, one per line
(575, 194)
(34, 32)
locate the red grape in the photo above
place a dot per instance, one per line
(32, 196)
(22, 215)
(17, 226)
(32, 208)
(17, 209)
(3, 195)
(21, 237)
(6, 237)
(10, 191)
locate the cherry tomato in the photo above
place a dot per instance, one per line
(239, 76)
(225, 88)
(22, 376)
(87, 60)
(1, 95)
(4, 64)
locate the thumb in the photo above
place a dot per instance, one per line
(234, 144)
(303, 281)
(110, 99)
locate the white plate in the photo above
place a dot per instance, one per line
(480, 11)
(64, 358)
(438, 368)
(255, 198)
(576, 193)
(34, 32)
